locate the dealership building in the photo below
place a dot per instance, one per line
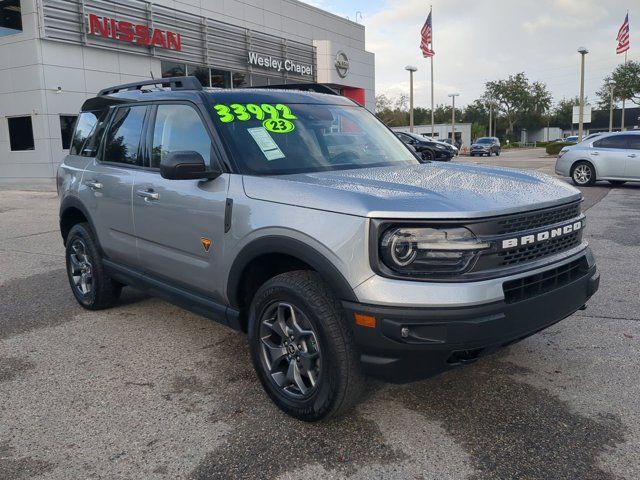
(54, 54)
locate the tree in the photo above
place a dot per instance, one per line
(562, 115)
(518, 99)
(627, 85)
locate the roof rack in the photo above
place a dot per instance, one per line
(175, 83)
(305, 87)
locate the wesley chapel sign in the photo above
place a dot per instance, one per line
(279, 64)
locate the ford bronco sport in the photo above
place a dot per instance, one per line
(299, 218)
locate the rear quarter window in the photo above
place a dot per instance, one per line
(86, 135)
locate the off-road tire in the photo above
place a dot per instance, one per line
(340, 382)
(104, 292)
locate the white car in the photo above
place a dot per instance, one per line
(614, 157)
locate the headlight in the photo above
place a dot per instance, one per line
(429, 251)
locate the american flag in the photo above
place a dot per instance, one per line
(623, 36)
(426, 34)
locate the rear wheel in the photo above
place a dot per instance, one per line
(583, 174)
(302, 349)
(497, 153)
(91, 286)
(617, 183)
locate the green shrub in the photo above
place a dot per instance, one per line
(555, 147)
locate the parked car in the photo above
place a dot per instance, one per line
(428, 149)
(571, 139)
(339, 257)
(485, 146)
(609, 156)
(446, 141)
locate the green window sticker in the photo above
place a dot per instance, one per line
(264, 141)
(249, 111)
(278, 125)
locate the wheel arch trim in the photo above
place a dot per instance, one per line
(276, 244)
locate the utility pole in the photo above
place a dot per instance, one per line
(582, 51)
(611, 87)
(453, 117)
(490, 116)
(411, 69)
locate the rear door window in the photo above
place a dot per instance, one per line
(122, 140)
(634, 142)
(616, 141)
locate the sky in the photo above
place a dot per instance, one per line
(481, 40)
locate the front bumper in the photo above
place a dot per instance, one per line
(409, 344)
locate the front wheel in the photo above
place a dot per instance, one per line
(302, 349)
(91, 286)
(498, 153)
(583, 174)
(428, 155)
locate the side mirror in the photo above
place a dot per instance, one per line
(186, 165)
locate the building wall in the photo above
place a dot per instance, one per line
(46, 78)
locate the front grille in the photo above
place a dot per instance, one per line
(542, 218)
(540, 283)
(533, 252)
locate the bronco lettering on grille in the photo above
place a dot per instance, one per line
(542, 236)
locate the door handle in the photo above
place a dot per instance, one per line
(633, 155)
(148, 194)
(595, 153)
(93, 185)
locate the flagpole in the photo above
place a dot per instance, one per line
(432, 112)
(625, 64)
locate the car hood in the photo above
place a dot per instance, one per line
(429, 190)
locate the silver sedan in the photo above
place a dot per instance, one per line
(611, 156)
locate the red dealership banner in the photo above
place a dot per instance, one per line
(134, 33)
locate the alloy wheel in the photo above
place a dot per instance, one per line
(290, 351)
(81, 270)
(582, 174)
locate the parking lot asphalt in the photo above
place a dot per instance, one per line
(147, 390)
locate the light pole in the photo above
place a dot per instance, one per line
(582, 51)
(453, 117)
(490, 115)
(612, 86)
(411, 69)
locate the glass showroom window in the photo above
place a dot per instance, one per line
(10, 17)
(20, 133)
(67, 123)
(173, 69)
(220, 78)
(201, 73)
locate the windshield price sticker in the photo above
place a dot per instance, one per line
(244, 112)
(264, 141)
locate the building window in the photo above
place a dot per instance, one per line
(10, 17)
(201, 73)
(20, 133)
(240, 80)
(220, 78)
(173, 69)
(66, 129)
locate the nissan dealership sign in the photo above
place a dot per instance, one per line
(279, 64)
(130, 32)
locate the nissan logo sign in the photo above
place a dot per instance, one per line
(342, 64)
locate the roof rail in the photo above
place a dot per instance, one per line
(175, 83)
(305, 87)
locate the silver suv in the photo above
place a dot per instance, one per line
(300, 219)
(614, 157)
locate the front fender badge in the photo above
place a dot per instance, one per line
(206, 243)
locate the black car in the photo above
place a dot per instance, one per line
(485, 146)
(427, 149)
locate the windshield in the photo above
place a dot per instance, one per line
(281, 139)
(484, 140)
